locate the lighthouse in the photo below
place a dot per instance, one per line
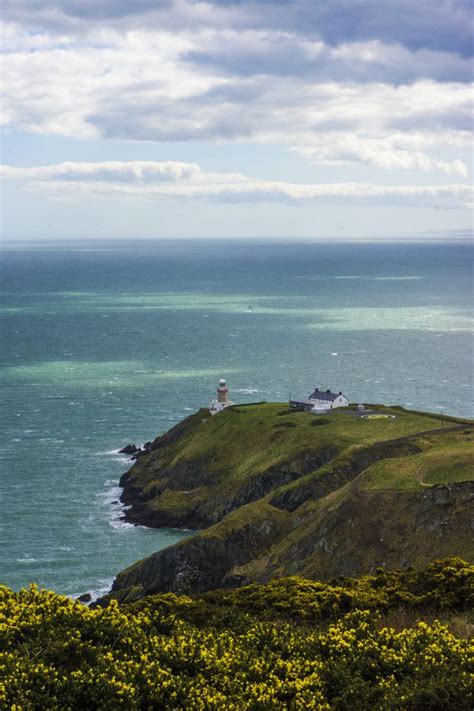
(222, 392)
(222, 398)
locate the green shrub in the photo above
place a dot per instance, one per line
(214, 652)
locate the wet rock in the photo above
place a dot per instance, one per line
(86, 597)
(129, 449)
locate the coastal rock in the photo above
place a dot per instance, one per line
(129, 449)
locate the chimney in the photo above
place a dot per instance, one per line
(340, 392)
(328, 391)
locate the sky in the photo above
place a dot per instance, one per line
(325, 119)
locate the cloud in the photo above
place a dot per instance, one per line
(278, 53)
(143, 179)
(334, 81)
(127, 172)
(138, 87)
(433, 24)
(394, 150)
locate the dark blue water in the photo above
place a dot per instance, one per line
(113, 343)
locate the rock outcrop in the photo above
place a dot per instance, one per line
(129, 449)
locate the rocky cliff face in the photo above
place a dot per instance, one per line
(205, 561)
(277, 496)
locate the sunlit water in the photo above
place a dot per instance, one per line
(101, 347)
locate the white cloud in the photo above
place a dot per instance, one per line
(128, 172)
(143, 179)
(395, 150)
(137, 86)
(229, 72)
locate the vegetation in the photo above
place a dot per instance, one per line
(281, 492)
(289, 644)
(242, 440)
(449, 459)
(205, 466)
(445, 585)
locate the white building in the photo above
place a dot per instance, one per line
(222, 398)
(321, 401)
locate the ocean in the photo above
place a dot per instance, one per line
(109, 343)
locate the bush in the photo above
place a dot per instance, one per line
(174, 652)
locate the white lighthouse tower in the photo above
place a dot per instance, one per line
(222, 392)
(222, 398)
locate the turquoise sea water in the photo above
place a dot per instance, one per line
(107, 344)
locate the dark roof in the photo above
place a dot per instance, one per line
(324, 395)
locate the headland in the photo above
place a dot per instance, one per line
(274, 491)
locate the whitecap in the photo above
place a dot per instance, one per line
(110, 500)
(112, 492)
(105, 586)
(112, 453)
(118, 524)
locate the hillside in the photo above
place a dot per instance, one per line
(394, 640)
(278, 492)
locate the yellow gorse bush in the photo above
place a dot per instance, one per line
(165, 653)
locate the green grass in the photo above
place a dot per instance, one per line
(246, 441)
(438, 465)
(197, 475)
(257, 512)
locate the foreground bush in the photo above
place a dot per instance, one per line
(173, 652)
(441, 586)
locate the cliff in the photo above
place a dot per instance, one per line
(277, 492)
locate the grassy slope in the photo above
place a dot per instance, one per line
(392, 513)
(247, 440)
(446, 461)
(208, 469)
(376, 500)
